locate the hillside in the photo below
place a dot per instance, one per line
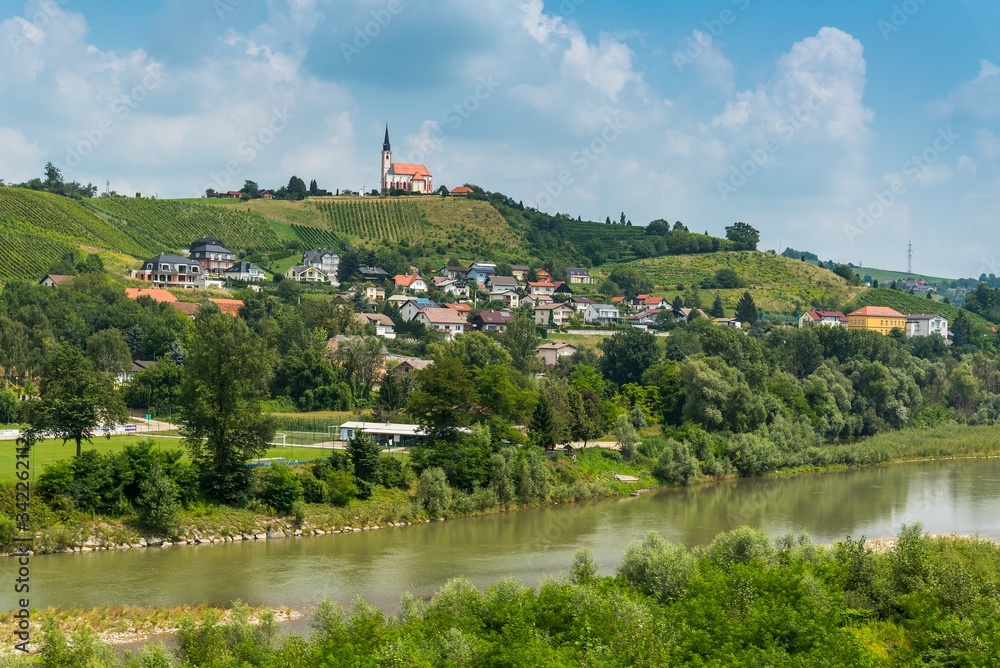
(777, 283)
(887, 276)
(904, 302)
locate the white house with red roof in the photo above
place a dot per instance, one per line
(403, 176)
(410, 282)
(828, 318)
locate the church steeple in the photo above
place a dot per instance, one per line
(385, 144)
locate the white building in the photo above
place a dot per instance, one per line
(403, 176)
(601, 314)
(451, 323)
(926, 324)
(326, 261)
(245, 271)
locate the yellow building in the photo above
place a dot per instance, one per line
(879, 319)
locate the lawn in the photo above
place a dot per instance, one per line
(52, 450)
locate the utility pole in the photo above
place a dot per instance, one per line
(909, 257)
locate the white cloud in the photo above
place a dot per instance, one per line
(979, 97)
(712, 65)
(20, 159)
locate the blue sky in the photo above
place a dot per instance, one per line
(843, 128)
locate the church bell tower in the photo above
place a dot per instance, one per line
(386, 159)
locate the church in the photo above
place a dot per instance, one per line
(402, 176)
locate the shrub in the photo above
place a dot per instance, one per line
(676, 465)
(157, 505)
(584, 567)
(740, 546)
(341, 488)
(392, 473)
(8, 531)
(753, 455)
(434, 493)
(280, 488)
(9, 407)
(313, 489)
(657, 568)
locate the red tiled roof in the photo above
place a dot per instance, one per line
(187, 308)
(156, 294)
(443, 316)
(617, 300)
(228, 306)
(541, 284)
(58, 279)
(410, 169)
(462, 190)
(879, 312)
(407, 280)
(459, 308)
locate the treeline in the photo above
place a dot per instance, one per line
(742, 600)
(55, 184)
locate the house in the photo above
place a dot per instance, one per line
(491, 321)
(554, 314)
(510, 298)
(230, 194)
(479, 272)
(451, 287)
(326, 261)
(579, 276)
(659, 303)
(385, 433)
(412, 178)
(410, 282)
(499, 284)
(827, 318)
(414, 306)
(879, 319)
(451, 323)
(917, 286)
(562, 289)
(581, 303)
(306, 274)
(601, 314)
(407, 365)
(455, 272)
(462, 191)
(543, 275)
(520, 271)
(228, 306)
(384, 326)
(728, 322)
(374, 293)
(399, 300)
(550, 353)
(265, 194)
(689, 314)
(926, 324)
(536, 288)
(638, 301)
(169, 271)
(245, 271)
(374, 274)
(213, 257)
(644, 320)
(137, 366)
(464, 309)
(156, 294)
(55, 280)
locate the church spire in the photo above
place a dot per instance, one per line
(385, 144)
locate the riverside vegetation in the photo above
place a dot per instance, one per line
(739, 601)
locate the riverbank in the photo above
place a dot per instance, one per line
(588, 475)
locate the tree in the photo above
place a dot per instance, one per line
(542, 428)
(15, 349)
(364, 453)
(434, 492)
(297, 188)
(158, 506)
(745, 236)
(444, 399)
(746, 310)
(631, 280)
(250, 189)
(313, 188)
(627, 355)
(961, 330)
(225, 376)
(75, 400)
(521, 340)
(109, 352)
(625, 435)
(717, 310)
(362, 360)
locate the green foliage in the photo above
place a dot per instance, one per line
(584, 568)
(746, 310)
(627, 355)
(657, 568)
(741, 546)
(364, 453)
(434, 493)
(675, 464)
(158, 505)
(743, 235)
(542, 428)
(280, 488)
(8, 531)
(9, 407)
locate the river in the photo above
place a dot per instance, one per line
(947, 497)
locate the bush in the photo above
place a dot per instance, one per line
(341, 488)
(753, 455)
(392, 473)
(157, 505)
(8, 531)
(9, 407)
(434, 493)
(657, 568)
(740, 546)
(676, 465)
(584, 567)
(313, 489)
(280, 488)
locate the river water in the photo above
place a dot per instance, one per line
(960, 497)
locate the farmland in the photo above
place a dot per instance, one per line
(904, 302)
(776, 283)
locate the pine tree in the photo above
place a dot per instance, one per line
(717, 310)
(746, 310)
(542, 427)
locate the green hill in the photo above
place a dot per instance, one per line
(906, 303)
(776, 283)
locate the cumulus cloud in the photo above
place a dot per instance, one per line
(18, 156)
(979, 97)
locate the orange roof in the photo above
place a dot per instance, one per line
(652, 300)
(407, 280)
(643, 297)
(462, 190)
(541, 284)
(187, 308)
(228, 306)
(406, 168)
(616, 300)
(879, 312)
(461, 308)
(442, 316)
(156, 294)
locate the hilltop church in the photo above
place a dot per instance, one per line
(402, 176)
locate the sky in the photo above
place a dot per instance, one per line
(848, 128)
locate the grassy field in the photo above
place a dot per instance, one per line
(777, 283)
(888, 276)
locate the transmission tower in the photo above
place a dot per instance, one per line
(909, 257)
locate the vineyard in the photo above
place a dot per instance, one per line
(159, 225)
(314, 237)
(580, 232)
(27, 256)
(909, 304)
(376, 220)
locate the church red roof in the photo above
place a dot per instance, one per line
(408, 169)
